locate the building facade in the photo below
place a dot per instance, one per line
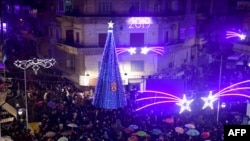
(78, 35)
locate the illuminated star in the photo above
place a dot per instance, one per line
(242, 36)
(145, 50)
(185, 104)
(132, 50)
(110, 24)
(209, 101)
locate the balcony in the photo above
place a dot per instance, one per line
(70, 43)
(75, 48)
(242, 48)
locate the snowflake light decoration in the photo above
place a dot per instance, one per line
(35, 63)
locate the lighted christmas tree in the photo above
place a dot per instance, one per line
(109, 92)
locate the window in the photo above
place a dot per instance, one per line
(102, 39)
(60, 5)
(57, 33)
(99, 65)
(77, 37)
(105, 7)
(182, 33)
(166, 37)
(191, 32)
(136, 39)
(193, 5)
(137, 66)
(135, 6)
(68, 6)
(51, 32)
(69, 36)
(70, 63)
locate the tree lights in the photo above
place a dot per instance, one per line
(109, 92)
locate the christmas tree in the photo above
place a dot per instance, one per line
(109, 92)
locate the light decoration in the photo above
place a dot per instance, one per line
(185, 104)
(109, 92)
(168, 98)
(231, 34)
(209, 100)
(132, 50)
(144, 50)
(35, 63)
(4, 27)
(139, 22)
(228, 91)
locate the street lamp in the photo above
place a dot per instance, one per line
(36, 64)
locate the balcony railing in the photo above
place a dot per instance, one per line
(71, 43)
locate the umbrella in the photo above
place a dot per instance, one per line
(179, 130)
(193, 132)
(5, 138)
(190, 126)
(141, 133)
(73, 125)
(63, 139)
(133, 138)
(66, 133)
(205, 135)
(169, 120)
(133, 127)
(128, 130)
(50, 134)
(39, 103)
(156, 132)
(51, 104)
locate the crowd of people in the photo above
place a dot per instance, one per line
(62, 113)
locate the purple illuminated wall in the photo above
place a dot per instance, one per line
(172, 86)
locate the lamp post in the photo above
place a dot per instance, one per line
(218, 106)
(35, 64)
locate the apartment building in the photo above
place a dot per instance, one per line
(78, 36)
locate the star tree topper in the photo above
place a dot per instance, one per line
(209, 101)
(111, 25)
(185, 104)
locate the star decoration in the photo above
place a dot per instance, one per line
(111, 24)
(144, 50)
(132, 50)
(242, 36)
(185, 104)
(209, 101)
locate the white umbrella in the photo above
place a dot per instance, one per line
(50, 134)
(190, 126)
(63, 139)
(5, 138)
(73, 125)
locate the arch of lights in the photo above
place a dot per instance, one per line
(143, 50)
(185, 103)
